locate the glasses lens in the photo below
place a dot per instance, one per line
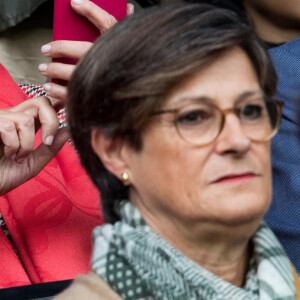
(199, 123)
(260, 120)
(274, 114)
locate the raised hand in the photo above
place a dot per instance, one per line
(19, 161)
(74, 49)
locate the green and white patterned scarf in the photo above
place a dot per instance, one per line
(139, 264)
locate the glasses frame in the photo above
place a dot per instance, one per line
(224, 113)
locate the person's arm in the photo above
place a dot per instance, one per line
(19, 161)
(89, 286)
(73, 49)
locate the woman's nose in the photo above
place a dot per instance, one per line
(232, 139)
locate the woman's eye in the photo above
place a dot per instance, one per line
(194, 117)
(252, 112)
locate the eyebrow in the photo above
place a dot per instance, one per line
(248, 94)
(204, 98)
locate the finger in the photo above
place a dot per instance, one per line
(57, 70)
(70, 49)
(57, 94)
(26, 131)
(49, 121)
(130, 9)
(43, 154)
(9, 138)
(96, 15)
(25, 108)
(30, 107)
(40, 110)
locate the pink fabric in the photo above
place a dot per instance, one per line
(79, 28)
(11, 271)
(50, 217)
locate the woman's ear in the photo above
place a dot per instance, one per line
(110, 151)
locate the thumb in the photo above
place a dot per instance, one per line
(130, 9)
(44, 153)
(96, 15)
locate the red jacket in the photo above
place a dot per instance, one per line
(50, 217)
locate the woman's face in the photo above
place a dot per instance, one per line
(275, 21)
(227, 181)
(277, 9)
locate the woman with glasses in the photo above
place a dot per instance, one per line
(171, 112)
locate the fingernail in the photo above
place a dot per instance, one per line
(46, 48)
(47, 87)
(42, 67)
(20, 160)
(76, 2)
(49, 140)
(13, 157)
(131, 9)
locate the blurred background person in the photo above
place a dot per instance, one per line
(274, 21)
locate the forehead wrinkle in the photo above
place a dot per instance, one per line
(192, 99)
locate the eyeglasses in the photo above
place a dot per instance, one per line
(201, 122)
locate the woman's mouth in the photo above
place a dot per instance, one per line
(235, 178)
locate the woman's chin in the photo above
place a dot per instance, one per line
(237, 204)
(240, 213)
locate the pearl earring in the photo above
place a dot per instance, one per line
(125, 179)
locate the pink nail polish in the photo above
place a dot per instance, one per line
(46, 48)
(47, 87)
(42, 67)
(76, 2)
(49, 140)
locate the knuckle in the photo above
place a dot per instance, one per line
(9, 126)
(45, 101)
(59, 47)
(27, 121)
(56, 97)
(11, 145)
(108, 22)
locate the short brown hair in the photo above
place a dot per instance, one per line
(131, 68)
